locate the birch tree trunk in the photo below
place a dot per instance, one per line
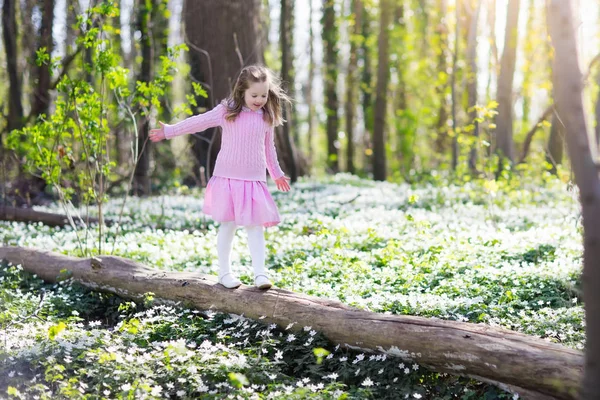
(568, 87)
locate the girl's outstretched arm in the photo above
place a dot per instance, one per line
(273, 166)
(196, 123)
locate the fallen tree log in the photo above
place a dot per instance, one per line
(528, 365)
(50, 219)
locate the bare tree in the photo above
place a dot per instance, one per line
(472, 77)
(286, 41)
(441, 89)
(330, 39)
(383, 75)
(351, 78)
(309, 84)
(9, 33)
(41, 91)
(504, 119)
(366, 86)
(141, 183)
(568, 88)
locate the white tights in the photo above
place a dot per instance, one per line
(256, 243)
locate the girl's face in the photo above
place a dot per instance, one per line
(256, 95)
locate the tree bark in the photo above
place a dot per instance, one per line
(441, 89)
(309, 84)
(504, 119)
(472, 81)
(51, 219)
(597, 114)
(508, 358)
(366, 88)
(556, 143)
(286, 41)
(356, 10)
(330, 39)
(41, 91)
(141, 182)
(223, 36)
(453, 89)
(383, 75)
(568, 87)
(9, 32)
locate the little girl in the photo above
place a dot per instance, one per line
(237, 193)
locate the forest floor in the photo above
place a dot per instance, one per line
(500, 253)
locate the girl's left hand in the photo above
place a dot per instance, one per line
(283, 183)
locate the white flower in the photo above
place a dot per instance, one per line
(333, 376)
(406, 370)
(106, 393)
(180, 393)
(126, 387)
(367, 382)
(291, 337)
(290, 326)
(415, 367)
(312, 333)
(156, 390)
(279, 355)
(417, 395)
(307, 328)
(342, 359)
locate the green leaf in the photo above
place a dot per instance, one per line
(238, 380)
(56, 329)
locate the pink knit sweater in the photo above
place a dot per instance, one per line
(247, 144)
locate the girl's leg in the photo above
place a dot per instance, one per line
(224, 245)
(256, 242)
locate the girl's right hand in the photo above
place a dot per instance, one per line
(158, 134)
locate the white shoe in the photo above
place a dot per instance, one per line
(229, 281)
(262, 282)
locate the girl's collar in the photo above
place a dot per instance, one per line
(259, 111)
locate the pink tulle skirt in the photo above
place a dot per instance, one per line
(245, 202)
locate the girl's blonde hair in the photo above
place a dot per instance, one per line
(276, 98)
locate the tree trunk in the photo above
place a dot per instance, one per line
(528, 48)
(507, 358)
(383, 74)
(472, 81)
(9, 32)
(309, 84)
(51, 219)
(504, 119)
(141, 182)
(442, 121)
(41, 91)
(404, 137)
(556, 143)
(366, 89)
(597, 112)
(223, 36)
(453, 89)
(286, 41)
(568, 87)
(356, 10)
(330, 39)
